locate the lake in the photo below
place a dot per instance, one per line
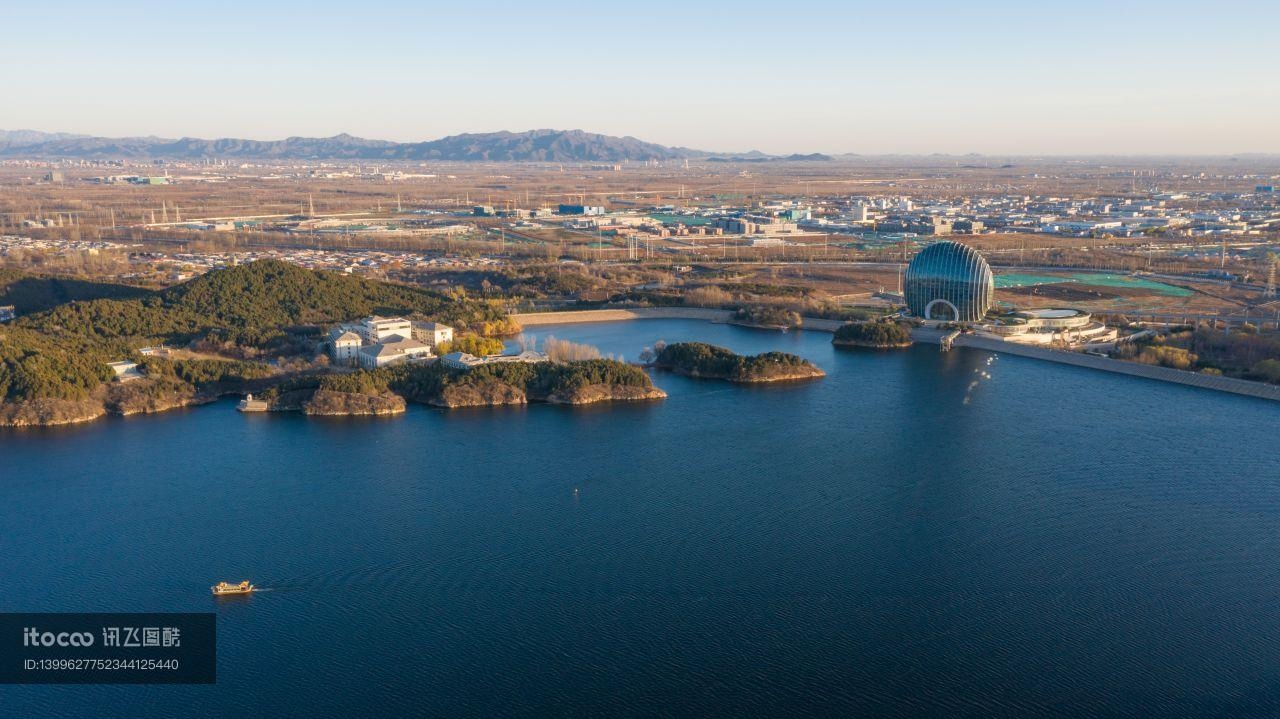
(918, 533)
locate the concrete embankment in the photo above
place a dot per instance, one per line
(921, 334)
(1135, 369)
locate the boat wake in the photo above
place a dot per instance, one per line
(376, 576)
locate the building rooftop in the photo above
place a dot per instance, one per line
(1055, 313)
(392, 348)
(432, 326)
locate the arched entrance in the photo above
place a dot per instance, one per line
(942, 311)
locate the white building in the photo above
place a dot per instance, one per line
(394, 351)
(433, 333)
(1058, 325)
(344, 346)
(125, 370)
(378, 329)
(379, 341)
(465, 361)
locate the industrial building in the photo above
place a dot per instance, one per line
(581, 210)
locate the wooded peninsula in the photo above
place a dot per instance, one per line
(255, 328)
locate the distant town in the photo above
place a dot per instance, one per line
(1165, 263)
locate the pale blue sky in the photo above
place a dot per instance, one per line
(914, 76)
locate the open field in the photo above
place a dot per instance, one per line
(413, 221)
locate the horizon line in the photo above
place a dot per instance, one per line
(847, 153)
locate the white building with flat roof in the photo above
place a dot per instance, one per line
(379, 329)
(125, 370)
(465, 361)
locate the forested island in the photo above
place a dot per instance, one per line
(767, 317)
(386, 389)
(879, 334)
(255, 328)
(698, 359)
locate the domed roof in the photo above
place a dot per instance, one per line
(949, 281)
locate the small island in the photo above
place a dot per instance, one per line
(880, 334)
(698, 359)
(767, 318)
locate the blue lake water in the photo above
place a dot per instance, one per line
(916, 534)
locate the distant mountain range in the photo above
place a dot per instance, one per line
(531, 146)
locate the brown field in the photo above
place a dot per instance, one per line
(282, 196)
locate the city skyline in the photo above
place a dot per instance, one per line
(995, 78)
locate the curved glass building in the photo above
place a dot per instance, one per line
(949, 281)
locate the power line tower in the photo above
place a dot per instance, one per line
(1271, 275)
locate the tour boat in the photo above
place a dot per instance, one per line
(229, 588)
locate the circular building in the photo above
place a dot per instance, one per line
(949, 281)
(1055, 318)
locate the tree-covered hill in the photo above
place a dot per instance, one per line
(241, 311)
(253, 304)
(36, 293)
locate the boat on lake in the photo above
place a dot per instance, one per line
(228, 588)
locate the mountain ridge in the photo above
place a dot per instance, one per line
(543, 145)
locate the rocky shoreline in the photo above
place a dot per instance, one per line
(790, 375)
(594, 393)
(757, 326)
(317, 403)
(328, 403)
(497, 394)
(117, 399)
(49, 412)
(871, 345)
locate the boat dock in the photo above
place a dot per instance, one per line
(249, 404)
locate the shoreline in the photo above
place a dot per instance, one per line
(569, 317)
(1232, 385)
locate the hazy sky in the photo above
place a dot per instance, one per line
(911, 76)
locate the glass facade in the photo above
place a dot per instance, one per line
(949, 281)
